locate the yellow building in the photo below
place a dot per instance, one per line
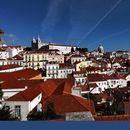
(83, 64)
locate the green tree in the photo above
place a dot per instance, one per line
(48, 114)
(1, 94)
(5, 114)
(35, 116)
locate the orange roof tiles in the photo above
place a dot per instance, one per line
(70, 103)
(84, 87)
(26, 95)
(97, 77)
(21, 74)
(112, 117)
(4, 67)
(17, 84)
(79, 72)
(57, 86)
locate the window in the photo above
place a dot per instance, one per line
(82, 80)
(100, 89)
(17, 111)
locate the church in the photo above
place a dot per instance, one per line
(37, 44)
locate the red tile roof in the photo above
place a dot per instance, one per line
(112, 118)
(70, 103)
(57, 86)
(21, 74)
(26, 95)
(5, 67)
(93, 85)
(63, 65)
(79, 72)
(84, 87)
(103, 95)
(97, 77)
(116, 76)
(17, 84)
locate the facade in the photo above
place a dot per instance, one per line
(81, 65)
(65, 69)
(77, 58)
(21, 106)
(39, 59)
(4, 54)
(80, 77)
(63, 49)
(52, 70)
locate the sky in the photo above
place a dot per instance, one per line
(86, 23)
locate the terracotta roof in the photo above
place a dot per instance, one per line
(57, 86)
(84, 87)
(26, 95)
(63, 65)
(103, 95)
(112, 117)
(116, 76)
(93, 85)
(5, 67)
(70, 103)
(21, 74)
(79, 72)
(17, 84)
(97, 77)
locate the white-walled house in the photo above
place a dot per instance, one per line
(13, 87)
(13, 50)
(39, 59)
(24, 102)
(77, 58)
(65, 69)
(52, 70)
(100, 80)
(80, 77)
(116, 80)
(63, 49)
(4, 54)
(105, 81)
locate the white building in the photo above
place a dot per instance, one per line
(80, 77)
(4, 54)
(24, 102)
(77, 58)
(105, 81)
(39, 59)
(52, 70)
(13, 50)
(63, 49)
(65, 69)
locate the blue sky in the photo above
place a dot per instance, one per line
(82, 22)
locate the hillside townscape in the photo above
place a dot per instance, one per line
(52, 81)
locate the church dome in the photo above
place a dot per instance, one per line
(101, 49)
